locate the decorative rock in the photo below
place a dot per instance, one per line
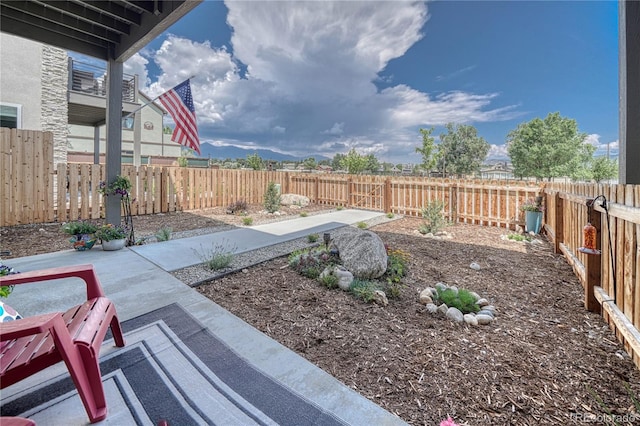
(482, 302)
(484, 319)
(470, 319)
(454, 289)
(455, 315)
(485, 312)
(425, 296)
(294, 200)
(431, 308)
(345, 278)
(475, 295)
(441, 286)
(443, 309)
(490, 308)
(380, 298)
(362, 253)
(474, 266)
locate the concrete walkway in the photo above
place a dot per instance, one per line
(136, 279)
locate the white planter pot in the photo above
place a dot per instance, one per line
(114, 244)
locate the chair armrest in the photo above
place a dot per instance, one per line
(85, 272)
(28, 326)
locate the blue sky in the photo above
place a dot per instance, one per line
(323, 77)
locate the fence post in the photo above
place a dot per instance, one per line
(454, 203)
(387, 196)
(349, 183)
(316, 189)
(593, 264)
(559, 223)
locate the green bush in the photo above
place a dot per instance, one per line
(272, 198)
(312, 238)
(390, 215)
(396, 270)
(247, 221)
(339, 207)
(304, 214)
(164, 234)
(463, 300)
(433, 214)
(362, 225)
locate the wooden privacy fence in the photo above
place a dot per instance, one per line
(611, 279)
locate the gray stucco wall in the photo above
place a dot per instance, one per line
(20, 68)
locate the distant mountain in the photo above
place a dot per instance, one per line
(223, 152)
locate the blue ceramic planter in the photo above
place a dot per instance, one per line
(533, 221)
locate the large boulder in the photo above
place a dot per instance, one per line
(362, 253)
(294, 200)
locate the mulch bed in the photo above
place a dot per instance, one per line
(544, 360)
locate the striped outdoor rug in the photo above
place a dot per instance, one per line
(174, 369)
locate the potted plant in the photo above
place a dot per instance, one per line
(82, 232)
(533, 215)
(121, 185)
(113, 237)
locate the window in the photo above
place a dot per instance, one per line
(127, 123)
(11, 116)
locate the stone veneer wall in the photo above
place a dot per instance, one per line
(54, 107)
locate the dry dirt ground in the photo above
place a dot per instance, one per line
(545, 360)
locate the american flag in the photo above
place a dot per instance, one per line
(179, 103)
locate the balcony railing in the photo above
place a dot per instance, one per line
(92, 80)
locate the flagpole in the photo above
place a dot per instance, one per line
(151, 101)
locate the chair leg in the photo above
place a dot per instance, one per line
(82, 363)
(116, 330)
(94, 399)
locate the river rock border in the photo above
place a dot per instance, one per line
(486, 314)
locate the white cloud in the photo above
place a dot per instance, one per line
(498, 151)
(137, 64)
(309, 86)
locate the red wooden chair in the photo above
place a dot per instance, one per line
(31, 344)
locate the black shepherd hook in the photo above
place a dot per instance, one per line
(590, 204)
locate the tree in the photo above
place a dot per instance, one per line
(336, 163)
(603, 168)
(372, 164)
(310, 163)
(461, 151)
(167, 130)
(428, 150)
(254, 161)
(354, 162)
(548, 148)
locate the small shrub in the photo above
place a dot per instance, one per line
(329, 281)
(311, 262)
(247, 221)
(219, 256)
(362, 225)
(312, 238)
(433, 214)
(463, 300)
(239, 207)
(339, 207)
(396, 269)
(364, 289)
(79, 227)
(304, 214)
(519, 237)
(272, 198)
(390, 215)
(164, 234)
